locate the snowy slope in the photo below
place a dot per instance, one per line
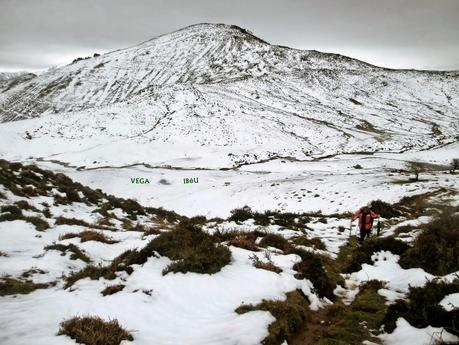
(199, 54)
(9, 80)
(220, 87)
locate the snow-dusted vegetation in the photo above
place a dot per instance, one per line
(198, 188)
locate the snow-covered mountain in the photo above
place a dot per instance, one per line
(9, 80)
(219, 86)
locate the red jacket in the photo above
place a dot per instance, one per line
(368, 219)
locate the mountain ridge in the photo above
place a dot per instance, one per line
(202, 90)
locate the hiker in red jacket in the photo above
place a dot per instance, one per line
(366, 217)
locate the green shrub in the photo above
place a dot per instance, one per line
(276, 241)
(12, 286)
(315, 242)
(92, 330)
(239, 215)
(345, 322)
(12, 209)
(436, 249)
(421, 308)
(291, 316)
(311, 267)
(363, 253)
(191, 249)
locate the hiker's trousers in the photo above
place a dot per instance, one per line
(364, 233)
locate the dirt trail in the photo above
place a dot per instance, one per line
(316, 326)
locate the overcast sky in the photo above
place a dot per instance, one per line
(423, 34)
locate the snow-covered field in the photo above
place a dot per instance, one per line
(330, 185)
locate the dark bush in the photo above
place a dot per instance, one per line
(13, 212)
(13, 209)
(239, 215)
(89, 235)
(276, 241)
(384, 209)
(72, 195)
(244, 240)
(108, 272)
(421, 308)
(289, 220)
(161, 213)
(362, 254)
(191, 249)
(24, 205)
(77, 253)
(290, 315)
(70, 221)
(315, 242)
(436, 249)
(39, 223)
(12, 286)
(112, 289)
(311, 267)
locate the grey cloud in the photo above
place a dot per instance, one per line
(394, 33)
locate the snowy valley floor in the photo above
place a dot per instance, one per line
(276, 277)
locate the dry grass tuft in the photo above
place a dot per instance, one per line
(89, 235)
(77, 253)
(92, 330)
(244, 240)
(13, 286)
(112, 289)
(265, 265)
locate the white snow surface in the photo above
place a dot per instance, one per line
(450, 302)
(182, 309)
(405, 334)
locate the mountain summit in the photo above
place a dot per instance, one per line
(199, 54)
(220, 86)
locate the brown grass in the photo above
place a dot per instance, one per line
(268, 264)
(315, 242)
(89, 235)
(70, 221)
(244, 240)
(77, 253)
(111, 289)
(13, 286)
(92, 330)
